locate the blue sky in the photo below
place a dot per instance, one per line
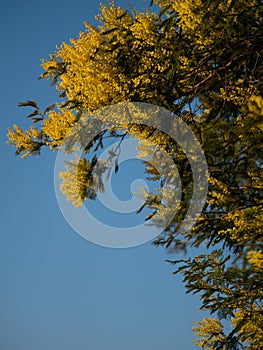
(59, 291)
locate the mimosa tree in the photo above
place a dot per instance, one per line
(202, 60)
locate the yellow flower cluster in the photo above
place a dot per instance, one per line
(251, 333)
(76, 181)
(219, 191)
(255, 107)
(57, 126)
(121, 60)
(25, 142)
(144, 29)
(194, 16)
(208, 331)
(237, 94)
(245, 224)
(256, 259)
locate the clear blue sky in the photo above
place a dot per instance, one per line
(59, 291)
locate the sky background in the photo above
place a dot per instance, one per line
(57, 290)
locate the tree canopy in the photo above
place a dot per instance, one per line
(202, 60)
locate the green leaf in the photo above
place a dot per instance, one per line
(28, 103)
(116, 168)
(36, 112)
(49, 108)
